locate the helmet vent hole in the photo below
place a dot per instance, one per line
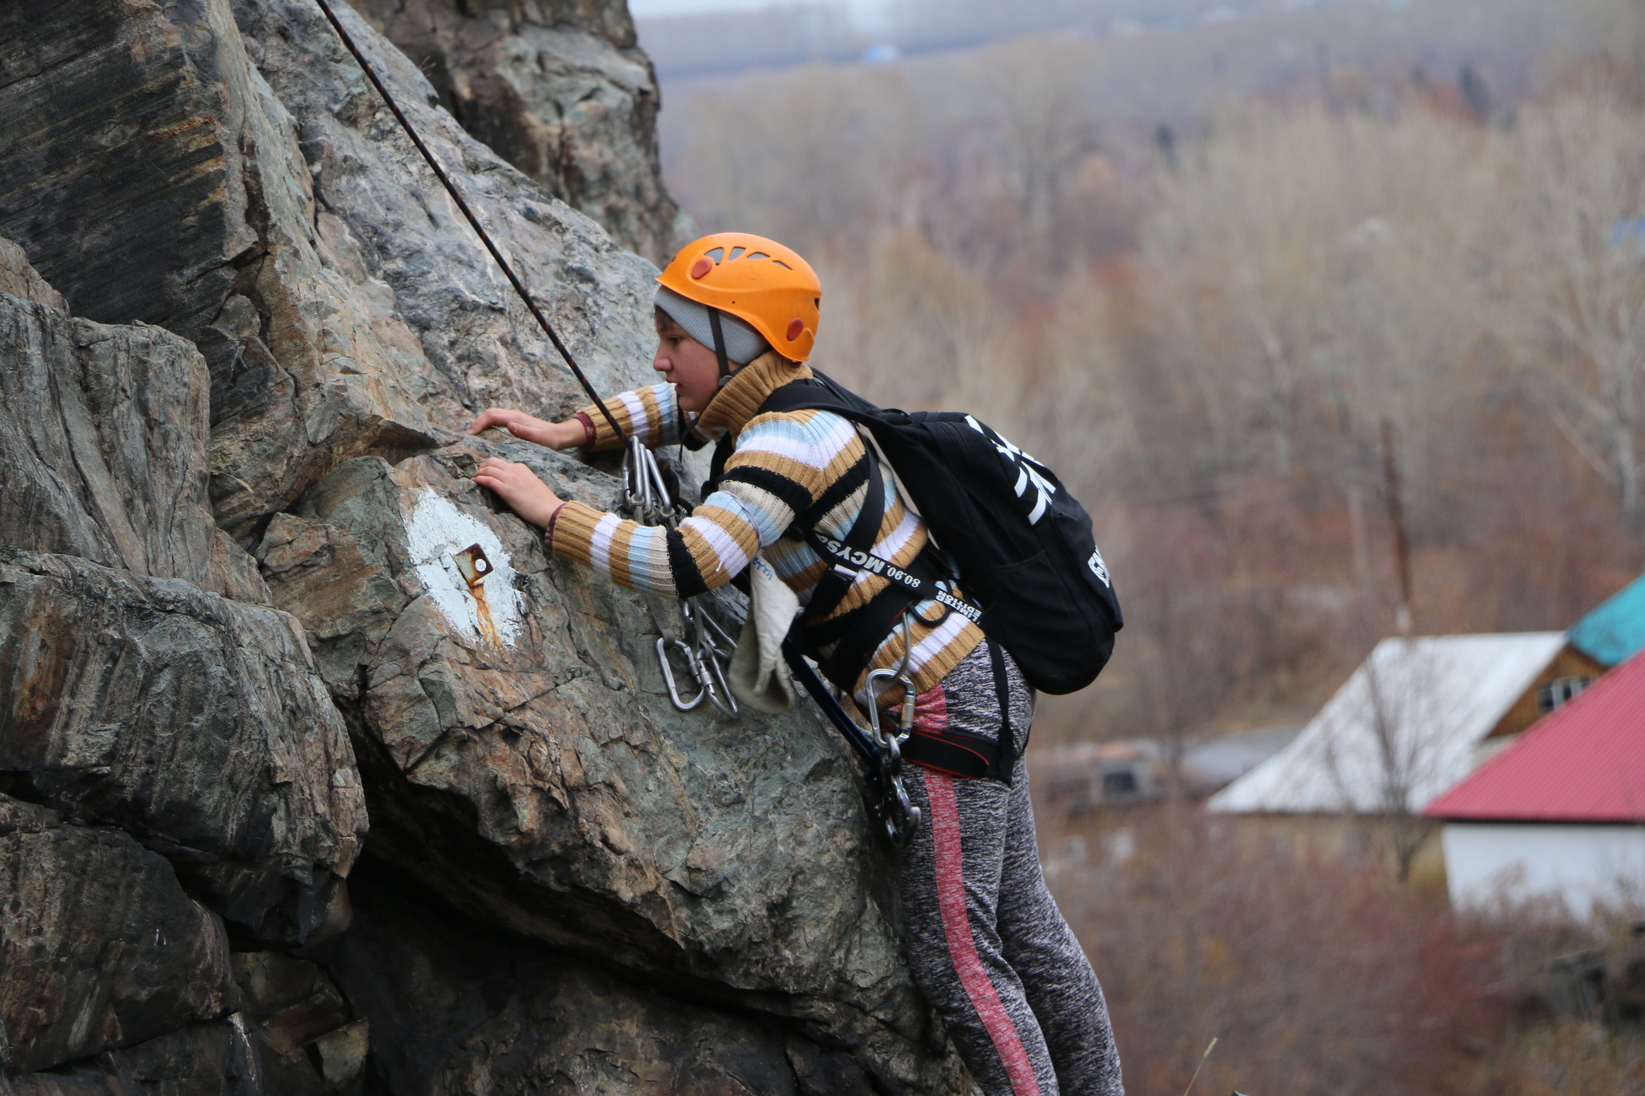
(716, 253)
(796, 327)
(760, 255)
(782, 264)
(737, 252)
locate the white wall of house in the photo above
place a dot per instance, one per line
(1577, 863)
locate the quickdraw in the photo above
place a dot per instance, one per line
(705, 647)
(897, 816)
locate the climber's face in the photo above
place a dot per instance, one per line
(688, 364)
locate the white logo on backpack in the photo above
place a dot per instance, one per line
(1099, 568)
(1026, 471)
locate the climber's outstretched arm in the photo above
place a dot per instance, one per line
(554, 435)
(650, 414)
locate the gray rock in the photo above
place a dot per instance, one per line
(103, 438)
(482, 345)
(294, 1005)
(217, 1059)
(519, 757)
(99, 946)
(149, 118)
(193, 721)
(19, 279)
(525, 762)
(561, 94)
(453, 1011)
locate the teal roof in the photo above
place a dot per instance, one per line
(1615, 631)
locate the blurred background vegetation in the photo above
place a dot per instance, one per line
(1217, 264)
(1197, 269)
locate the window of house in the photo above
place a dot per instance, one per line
(1118, 784)
(1557, 692)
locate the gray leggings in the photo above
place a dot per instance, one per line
(983, 936)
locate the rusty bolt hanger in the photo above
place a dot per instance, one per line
(474, 565)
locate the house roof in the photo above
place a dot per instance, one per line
(1401, 730)
(1583, 763)
(1614, 632)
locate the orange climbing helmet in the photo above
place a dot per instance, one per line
(759, 281)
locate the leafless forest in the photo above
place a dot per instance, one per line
(1224, 329)
(1206, 332)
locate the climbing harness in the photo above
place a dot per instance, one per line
(879, 747)
(650, 496)
(474, 222)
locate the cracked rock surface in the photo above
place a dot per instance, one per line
(242, 328)
(560, 90)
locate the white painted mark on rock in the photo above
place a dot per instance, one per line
(435, 533)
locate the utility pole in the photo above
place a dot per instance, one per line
(1396, 520)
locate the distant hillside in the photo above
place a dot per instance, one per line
(1158, 60)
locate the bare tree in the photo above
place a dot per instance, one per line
(1583, 172)
(1041, 92)
(1389, 745)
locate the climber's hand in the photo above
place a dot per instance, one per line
(555, 435)
(517, 485)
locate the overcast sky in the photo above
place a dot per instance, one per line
(862, 10)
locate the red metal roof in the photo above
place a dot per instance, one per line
(1582, 763)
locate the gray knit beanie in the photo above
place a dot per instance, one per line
(742, 343)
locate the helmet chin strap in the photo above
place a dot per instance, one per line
(719, 345)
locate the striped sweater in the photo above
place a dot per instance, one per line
(806, 468)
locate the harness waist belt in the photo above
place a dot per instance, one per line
(970, 756)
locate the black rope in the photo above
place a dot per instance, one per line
(405, 123)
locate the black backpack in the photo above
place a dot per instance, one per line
(1019, 543)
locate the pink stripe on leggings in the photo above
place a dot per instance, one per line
(956, 926)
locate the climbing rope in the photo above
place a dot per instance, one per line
(474, 222)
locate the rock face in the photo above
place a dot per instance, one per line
(233, 622)
(560, 91)
(99, 943)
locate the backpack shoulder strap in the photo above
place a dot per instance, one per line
(836, 581)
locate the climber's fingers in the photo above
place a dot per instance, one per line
(518, 423)
(518, 485)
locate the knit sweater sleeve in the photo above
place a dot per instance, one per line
(650, 414)
(774, 475)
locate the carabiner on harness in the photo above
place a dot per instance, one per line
(896, 814)
(888, 802)
(880, 680)
(703, 643)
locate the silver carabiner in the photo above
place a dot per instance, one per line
(663, 645)
(706, 646)
(713, 656)
(878, 681)
(722, 642)
(645, 492)
(719, 688)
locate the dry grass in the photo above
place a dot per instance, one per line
(1317, 976)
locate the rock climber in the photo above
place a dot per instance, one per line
(982, 935)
